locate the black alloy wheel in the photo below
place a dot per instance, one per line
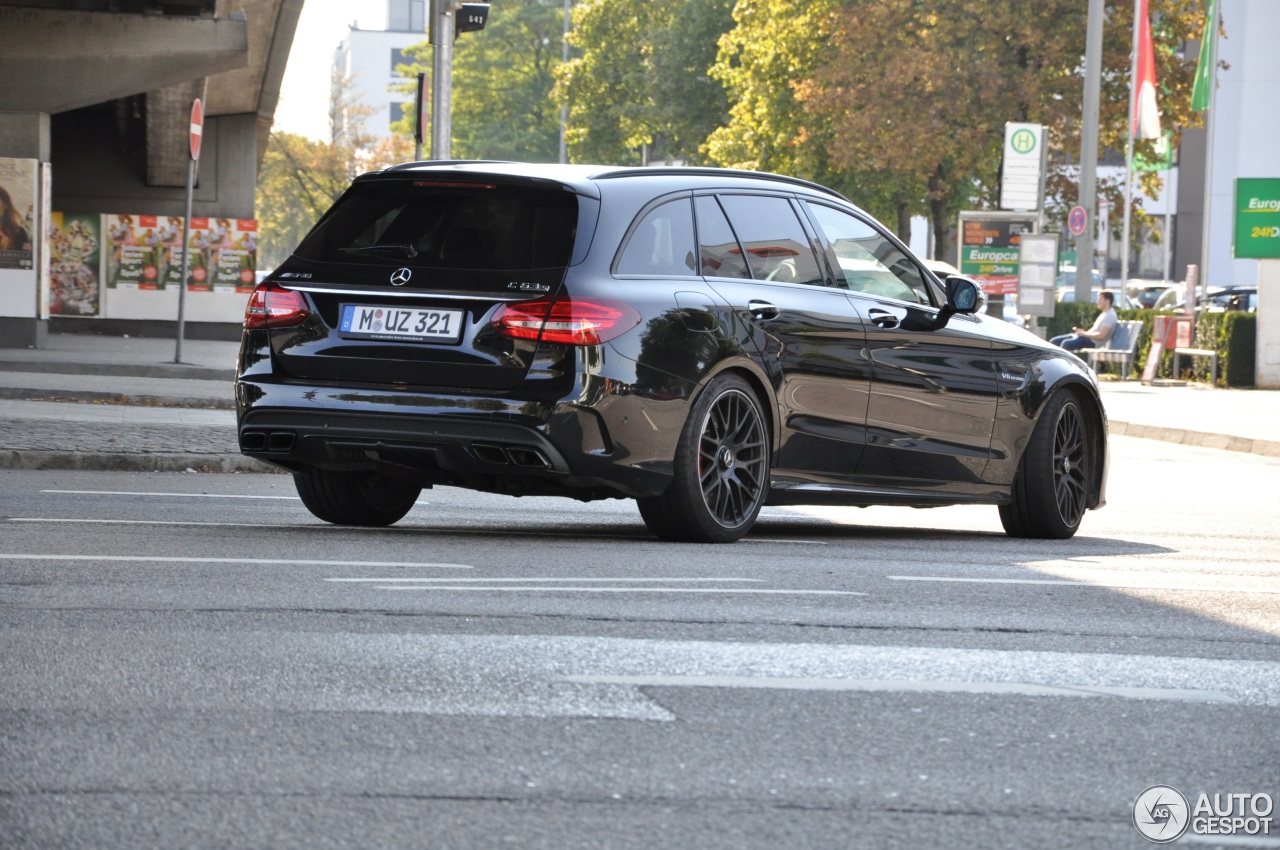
(1051, 489)
(355, 498)
(721, 469)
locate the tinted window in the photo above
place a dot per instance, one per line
(436, 224)
(870, 262)
(662, 243)
(718, 250)
(776, 245)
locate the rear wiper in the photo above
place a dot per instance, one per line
(406, 249)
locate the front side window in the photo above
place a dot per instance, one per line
(661, 245)
(868, 260)
(775, 243)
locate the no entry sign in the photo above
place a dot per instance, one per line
(197, 127)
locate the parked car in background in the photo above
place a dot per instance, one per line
(1067, 278)
(703, 341)
(1067, 295)
(1148, 293)
(1221, 299)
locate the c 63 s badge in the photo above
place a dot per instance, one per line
(528, 286)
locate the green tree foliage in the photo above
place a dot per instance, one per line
(641, 79)
(502, 82)
(909, 99)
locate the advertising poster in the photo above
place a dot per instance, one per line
(233, 254)
(17, 212)
(138, 259)
(74, 287)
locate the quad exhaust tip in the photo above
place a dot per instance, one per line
(520, 456)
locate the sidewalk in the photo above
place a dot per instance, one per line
(121, 403)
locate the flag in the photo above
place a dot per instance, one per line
(1204, 69)
(1146, 117)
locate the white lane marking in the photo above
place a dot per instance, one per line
(172, 560)
(1229, 840)
(179, 522)
(499, 580)
(918, 685)
(165, 495)
(531, 589)
(1117, 585)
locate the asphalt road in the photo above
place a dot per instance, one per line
(194, 661)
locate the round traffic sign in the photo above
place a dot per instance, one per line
(1077, 219)
(197, 127)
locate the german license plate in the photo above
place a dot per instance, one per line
(411, 324)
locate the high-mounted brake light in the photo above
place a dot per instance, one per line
(566, 321)
(271, 306)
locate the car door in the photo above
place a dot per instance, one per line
(933, 391)
(755, 253)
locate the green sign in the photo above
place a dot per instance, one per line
(1023, 141)
(1257, 234)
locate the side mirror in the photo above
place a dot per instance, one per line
(964, 295)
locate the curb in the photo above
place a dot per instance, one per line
(133, 462)
(1202, 439)
(93, 397)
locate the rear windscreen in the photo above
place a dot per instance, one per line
(441, 224)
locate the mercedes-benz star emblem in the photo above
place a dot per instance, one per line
(400, 277)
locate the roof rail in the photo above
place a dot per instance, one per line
(640, 171)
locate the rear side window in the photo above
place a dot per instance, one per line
(776, 245)
(718, 248)
(661, 244)
(440, 224)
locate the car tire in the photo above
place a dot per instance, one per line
(355, 498)
(1051, 489)
(721, 469)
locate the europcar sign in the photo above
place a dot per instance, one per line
(1257, 231)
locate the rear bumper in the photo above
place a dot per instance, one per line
(517, 446)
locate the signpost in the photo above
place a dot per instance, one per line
(195, 138)
(1077, 220)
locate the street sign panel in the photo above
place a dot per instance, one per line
(1022, 175)
(1077, 220)
(197, 127)
(989, 248)
(1257, 218)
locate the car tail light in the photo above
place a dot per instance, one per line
(566, 321)
(271, 306)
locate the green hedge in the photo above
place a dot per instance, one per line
(1232, 334)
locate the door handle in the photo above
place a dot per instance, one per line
(883, 319)
(762, 310)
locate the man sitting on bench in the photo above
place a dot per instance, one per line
(1098, 335)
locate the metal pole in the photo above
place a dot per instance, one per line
(564, 107)
(1128, 157)
(186, 257)
(1168, 223)
(1202, 282)
(1089, 150)
(442, 80)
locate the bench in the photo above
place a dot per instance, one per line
(1120, 348)
(1197, 352)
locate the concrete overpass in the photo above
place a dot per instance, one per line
(102, 89)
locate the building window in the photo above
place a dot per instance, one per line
(399, 57)
(399, 109)
(406, 16)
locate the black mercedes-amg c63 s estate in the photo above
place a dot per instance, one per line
(703, 341)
